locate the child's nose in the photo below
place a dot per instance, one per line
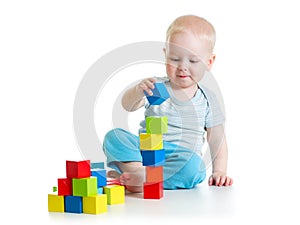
(182, 66)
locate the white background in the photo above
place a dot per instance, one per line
(47, 46)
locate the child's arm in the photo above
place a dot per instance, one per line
(133, 98)
(219, 154)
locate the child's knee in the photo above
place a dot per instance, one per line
(188, 175)
(194, 171)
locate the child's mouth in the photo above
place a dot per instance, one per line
(183, 76)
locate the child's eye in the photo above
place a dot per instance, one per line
(194, 61)
(174, 59)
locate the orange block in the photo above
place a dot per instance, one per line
(154, 174)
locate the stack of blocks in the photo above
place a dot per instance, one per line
(84, 190)
(151, 145)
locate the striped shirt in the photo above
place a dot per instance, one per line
(187, 120)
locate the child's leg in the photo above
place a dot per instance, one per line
(123, 154)
(183, 168)
(121, 146)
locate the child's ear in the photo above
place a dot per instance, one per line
(211, 61)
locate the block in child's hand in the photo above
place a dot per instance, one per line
(160, 94)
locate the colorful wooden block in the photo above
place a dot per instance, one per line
(101, 176)
(100, 190)
(115, 194)
(151, 141)
(85, 186)
(73, 204)
(160, 94)
(78, 169)
(153, 158)
(54, 189)
(64, 186)
(154, 174)
(156, 125)
(153, 190)
(95, 204)
(97, 165)
(56, 203)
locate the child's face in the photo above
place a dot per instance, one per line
(187, 59)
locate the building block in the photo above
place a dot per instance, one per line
(154, 174)
(54, 189)
(95, 204)
(73, 204)
(56, 203)
(64, 186)
(151, 141)
(115, 194)
(97, 165)
(156, 125)
(153, 190)
(100, 190)
(160, 94)
(78, 169)
(101, 176)
(153, 158)
(85, 186)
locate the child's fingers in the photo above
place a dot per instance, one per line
(222, 180)
(149, 83)
(210, 181)
(153, 80)
(228, 182)
(217, 180)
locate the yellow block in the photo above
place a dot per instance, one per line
(56, 203)
(151, 141)
(94, 204)
(115, 194)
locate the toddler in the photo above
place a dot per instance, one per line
(193, 114)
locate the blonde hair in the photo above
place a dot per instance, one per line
(199, 26)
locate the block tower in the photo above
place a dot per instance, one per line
(85, 189)
(151, 145)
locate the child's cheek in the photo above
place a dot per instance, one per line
(170, 69)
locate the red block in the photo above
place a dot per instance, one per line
(153, 190)
(64, 186)
(78, 169)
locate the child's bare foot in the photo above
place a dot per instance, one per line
(133, 176)
(133, 181)
(113, 174)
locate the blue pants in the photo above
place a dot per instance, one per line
(182, 169)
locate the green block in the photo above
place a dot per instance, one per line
(54, 189)
(85, 186)
(156, 125)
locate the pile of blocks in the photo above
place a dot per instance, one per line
(85, 189)
(151, 145)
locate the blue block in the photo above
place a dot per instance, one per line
(100, 190)
(101, 176)
(73, 204)
(97, 165)
(160, 94)
(153, 157)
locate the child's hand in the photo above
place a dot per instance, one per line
(219, 179)
(147, 85)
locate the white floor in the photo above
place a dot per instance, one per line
(203, 202)
(238, 204)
